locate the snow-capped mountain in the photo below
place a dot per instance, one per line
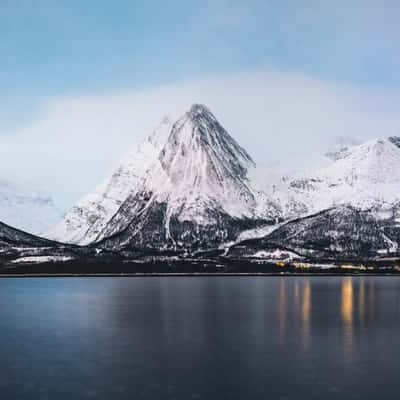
(26, 208)
(350, 209)
(366, 176)
(190, 186)
(195, 195)
(84, 222)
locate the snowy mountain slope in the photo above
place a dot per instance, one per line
(195, 195)
(26, 209)
(341, 148)
(368, 176)
(83, 223)
(341, 232)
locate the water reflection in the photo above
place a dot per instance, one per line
(296, 293)
(347, 307)
(347, 301)
(294, 305)
(361, 301)
(351, 301)
(282, 309)
(205, 338)
(371, 299)
(306, 312)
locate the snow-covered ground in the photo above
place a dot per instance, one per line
(41, 259)
(277, 255)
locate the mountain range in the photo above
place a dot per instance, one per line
(190, 188)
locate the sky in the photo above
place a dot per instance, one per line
(82, 83)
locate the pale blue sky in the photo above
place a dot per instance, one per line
(69, 49)
(53, 47)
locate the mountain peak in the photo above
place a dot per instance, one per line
(378, 147)
(199, 145)
(197, 190)
(199, 109)
(200, 116)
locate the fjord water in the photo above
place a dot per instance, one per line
(200, 338)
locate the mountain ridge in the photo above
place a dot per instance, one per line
(367, 176)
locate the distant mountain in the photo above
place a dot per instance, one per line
(26, 208)
(366, 176)
(84, 222)
(350, 209)
(196, 195)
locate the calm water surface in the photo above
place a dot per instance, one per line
(200, 338)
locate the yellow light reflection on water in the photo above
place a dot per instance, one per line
(361, 300)
(306, 304)
(282, 308)
(306, 312)
(296, 294)
(347, 300)
(347, 307)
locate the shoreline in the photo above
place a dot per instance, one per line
(206, 274)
